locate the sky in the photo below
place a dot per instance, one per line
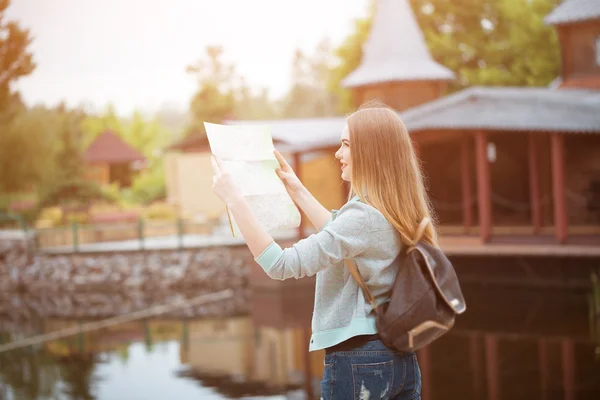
(133, 53)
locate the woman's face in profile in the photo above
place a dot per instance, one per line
(343, 154)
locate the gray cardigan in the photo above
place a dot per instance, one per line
(356, 231)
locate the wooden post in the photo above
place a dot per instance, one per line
(465, 180)
(298, 170)
(484, 187)
(568, 368)
(558, 187)
(491, 367)
(307, 366)
(75, 230)
(534, 185)
(424, 358)
(476, 367)
(543, 366)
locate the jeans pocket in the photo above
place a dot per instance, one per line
(327, 382)
(417, 377)
(373, 381)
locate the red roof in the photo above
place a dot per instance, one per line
(111, 149)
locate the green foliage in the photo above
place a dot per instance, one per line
(111, 193)
(94, 125)
(65, 182)
(485, 42)
(214, 99)
(149, 186)
(308, 96)
(148, 136)
(251, 105)
(72, 192)
(492, 42)
(26, 149)
(349, 54)
(15, 61)
(160, 211)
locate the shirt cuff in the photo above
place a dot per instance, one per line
(269, 256)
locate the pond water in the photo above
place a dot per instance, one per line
(512, 343)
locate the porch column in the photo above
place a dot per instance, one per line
(424, 358)
(484, 188)
(465, 182)
(491, 367)
(568, 368)
(534, 185)
(543, 367)
(475, 361)
(557, 146)
(307, 366)
(297, 166)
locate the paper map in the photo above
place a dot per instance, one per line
(247, 153)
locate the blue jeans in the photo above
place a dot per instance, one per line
(372, 371)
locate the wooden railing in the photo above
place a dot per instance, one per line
(76, 235)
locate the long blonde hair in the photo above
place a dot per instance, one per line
(386, 172)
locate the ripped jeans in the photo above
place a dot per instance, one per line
(371, 372)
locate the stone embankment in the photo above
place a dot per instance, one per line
(206, 269)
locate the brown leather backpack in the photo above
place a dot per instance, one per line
(425, 297)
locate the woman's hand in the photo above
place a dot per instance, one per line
(288, 176)
(223, 184)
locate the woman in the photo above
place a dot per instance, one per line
(386, 203)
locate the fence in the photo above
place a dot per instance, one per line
(76, 235)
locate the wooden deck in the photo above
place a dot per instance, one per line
(520, 245)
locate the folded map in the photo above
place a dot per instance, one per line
(246, 151)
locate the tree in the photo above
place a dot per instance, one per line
(94, 125)
(15, 61)
(251, 104)
(485, 42)
(492, 42)
(214, 99)
(309, 96)
(148, 136)
(67, 184)
(16, 141)
(349, 55)
(27, 149)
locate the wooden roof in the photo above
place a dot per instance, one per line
(395, 49)
(573, 11)
(111, 149)
(516, 109)
(520, 109)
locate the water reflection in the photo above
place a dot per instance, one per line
(513, 343)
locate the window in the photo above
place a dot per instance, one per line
(598, 50)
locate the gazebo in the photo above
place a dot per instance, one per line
(111, 160)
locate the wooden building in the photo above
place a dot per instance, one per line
(397, 67)
(577, 24)
(512, 165)
(111, 160)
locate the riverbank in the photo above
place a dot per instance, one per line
(212, 268)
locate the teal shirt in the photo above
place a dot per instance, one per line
(356, 231)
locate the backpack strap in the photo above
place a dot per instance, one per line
(419, 234)
(358, 278)
(356, 274)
